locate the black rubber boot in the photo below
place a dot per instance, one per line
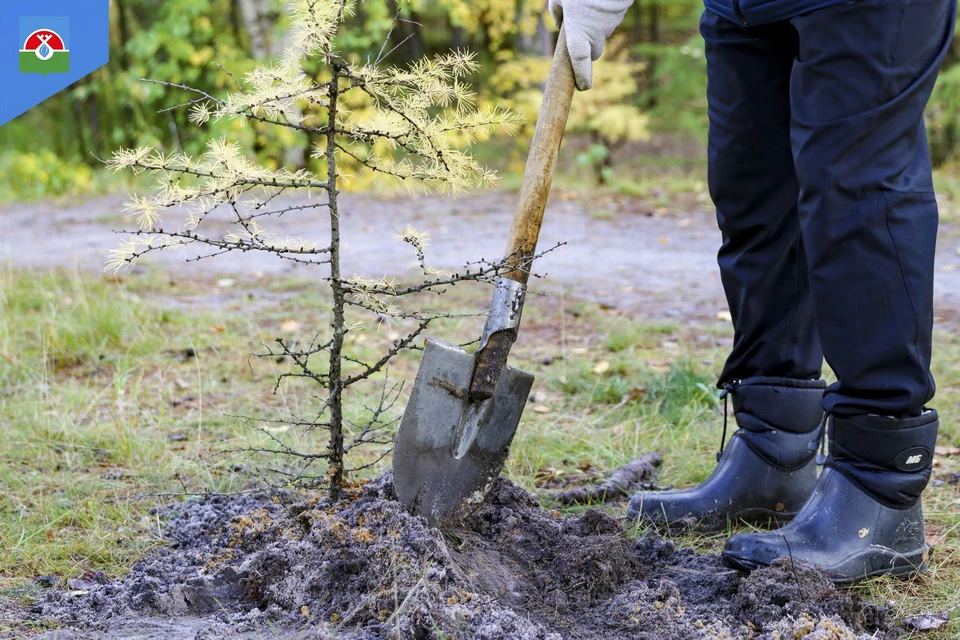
(765, 474)
(864, 518)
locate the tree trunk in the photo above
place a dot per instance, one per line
(654, 42)
(544, 36)
(122, 18)
(458, 39)
(295, 157)
(236, 23)
(335, 448)
(637, 23)
(256, 20)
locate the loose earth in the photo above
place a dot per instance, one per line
(260, 566)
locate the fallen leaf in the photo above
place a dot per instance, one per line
(578, 350)
(927, 621)
(660, 366)
(664, 240)
(947, 451)
(724, 316)
(602, 367)
(219, 328)
(635, 394)
(290, 326)
(226, 283)
(935, 539)
(541, 408)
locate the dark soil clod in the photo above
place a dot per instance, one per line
(246, 566)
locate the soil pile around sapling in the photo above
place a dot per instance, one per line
(364, 568)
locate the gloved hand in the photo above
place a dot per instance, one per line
(588, 23)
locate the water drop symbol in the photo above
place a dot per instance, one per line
(44, 50)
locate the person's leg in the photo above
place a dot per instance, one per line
(869, 218)
(766, 473)
(754, 186)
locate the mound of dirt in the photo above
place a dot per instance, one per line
(363, 568)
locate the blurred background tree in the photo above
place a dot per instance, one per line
(653, 88)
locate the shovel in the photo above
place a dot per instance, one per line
(464, 409)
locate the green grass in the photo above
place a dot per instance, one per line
(104, 398)
(114, 389)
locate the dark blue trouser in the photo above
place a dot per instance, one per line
(820, 171)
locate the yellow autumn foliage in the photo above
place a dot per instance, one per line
(607, 113)
(500, 20)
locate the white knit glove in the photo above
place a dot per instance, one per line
(588, 23)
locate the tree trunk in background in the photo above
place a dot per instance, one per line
(415, 43)
(637, 31)
(544, 35)
(93, 116)
(295, 157)
(236, 22)
(256, 20)
(259, 25)
(654, 42)
(124, 32)
(458, 38)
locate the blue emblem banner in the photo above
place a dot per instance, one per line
(47, 45)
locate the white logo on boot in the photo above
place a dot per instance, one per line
(917, 459)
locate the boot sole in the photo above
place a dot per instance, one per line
(719, 522)
(870, 563)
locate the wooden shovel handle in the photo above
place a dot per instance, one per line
(541, 161)
(534, 191)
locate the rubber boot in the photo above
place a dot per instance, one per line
(864, 518)
(765, 474)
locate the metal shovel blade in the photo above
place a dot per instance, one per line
(450, 449)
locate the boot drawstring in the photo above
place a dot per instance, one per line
(724, 395)
(821, 440)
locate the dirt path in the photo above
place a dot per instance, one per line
(617, 252)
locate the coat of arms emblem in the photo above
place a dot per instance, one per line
(45, 47)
